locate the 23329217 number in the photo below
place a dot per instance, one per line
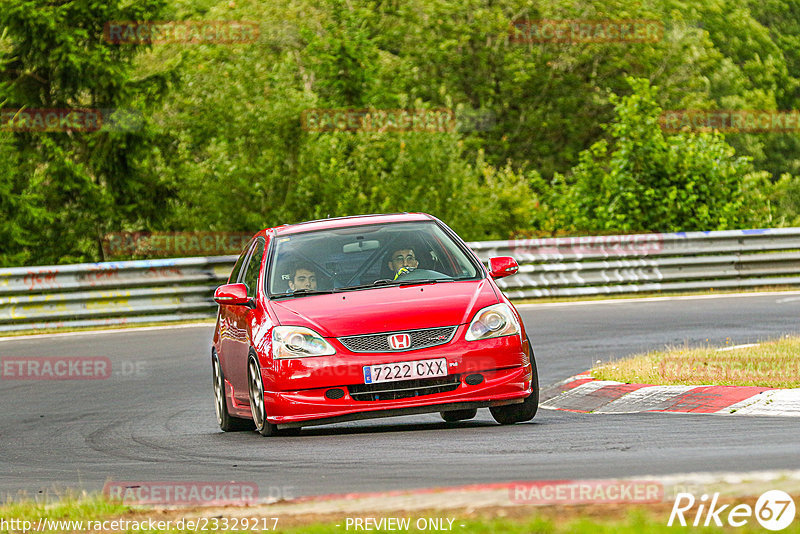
(391, 372)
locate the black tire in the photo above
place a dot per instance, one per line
(227, 422)
(519, 413)
(255, 388)
(459, 415)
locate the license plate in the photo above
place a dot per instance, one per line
(391, 372)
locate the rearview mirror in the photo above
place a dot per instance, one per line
(360, 246)
(232, 294)
(503, 266)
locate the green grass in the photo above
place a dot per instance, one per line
(70, 506)
(770, 364)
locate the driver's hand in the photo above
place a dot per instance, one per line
(401, 272)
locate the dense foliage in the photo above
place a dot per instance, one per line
(552, 138)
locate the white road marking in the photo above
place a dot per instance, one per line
(785, 402)
(777, 402)
(576, 392)
(108, 331)
(656, 299)
(644, 399)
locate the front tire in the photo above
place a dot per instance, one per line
(519, 413)
(257, 406)
(227, 422)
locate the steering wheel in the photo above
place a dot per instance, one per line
(422, 274)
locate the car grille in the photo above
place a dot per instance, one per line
(420, 339)
(404, 389)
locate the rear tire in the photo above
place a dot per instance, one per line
(519, 413)
(227, 422)
(459, 415)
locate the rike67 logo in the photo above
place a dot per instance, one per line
(774, 510)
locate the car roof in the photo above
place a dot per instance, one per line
(356, 220)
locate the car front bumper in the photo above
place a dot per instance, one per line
(312, 407)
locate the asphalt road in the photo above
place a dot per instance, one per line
(153, 420)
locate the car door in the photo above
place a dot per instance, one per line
(227, 328)
(240, 320)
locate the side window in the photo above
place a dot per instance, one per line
(253, 267)
(234, 277)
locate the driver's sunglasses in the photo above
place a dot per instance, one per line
(408, 258)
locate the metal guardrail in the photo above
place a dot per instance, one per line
(96, 294)
(114, 293)
(603, 265)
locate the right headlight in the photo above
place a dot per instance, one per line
(493, 321)
(298, 342)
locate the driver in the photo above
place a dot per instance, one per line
(302, 277)
(403, 260)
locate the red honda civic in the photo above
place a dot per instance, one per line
(363, 317)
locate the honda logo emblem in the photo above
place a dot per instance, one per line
(399, 341)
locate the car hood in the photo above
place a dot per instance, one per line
(387, 309)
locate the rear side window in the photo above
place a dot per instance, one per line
(253, 267)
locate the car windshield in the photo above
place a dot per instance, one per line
(362, 257)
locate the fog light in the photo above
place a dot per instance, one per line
(473, 380)
(334, 394)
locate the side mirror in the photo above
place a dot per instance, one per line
(235, 294)
(503, 266)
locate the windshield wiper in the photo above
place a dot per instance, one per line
(387, 282)
(303, 293)
(424, 281)
(376, 283)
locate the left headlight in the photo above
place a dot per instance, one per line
(493, 321)
(298, 342)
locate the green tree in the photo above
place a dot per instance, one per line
(20, 206)
(643, 180)
(94, 182)
(784, 198)
(245, 162)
